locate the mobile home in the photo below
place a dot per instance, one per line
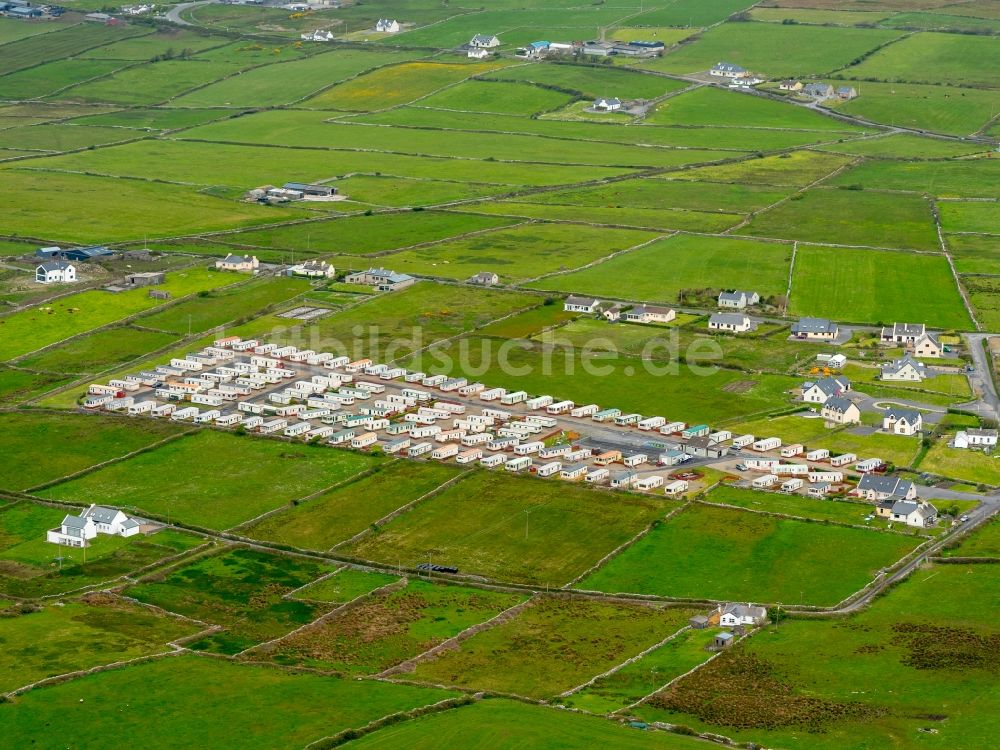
(792, 485)
(605, 415)
(596, 475)
(792, 450)
(207, 417)
(584, 411)
(651, 423)
(820, 454)
(560, 407)
(762, 483)
(364, 440)
(576, 471)
(419, 449)
(677, 487)
(445, 451)
(492, 394)
(766, 444)
(539, 402)
(547, 470)
(649, 483)
(843, 459)
(519, 463)
(636, 459)
(493, 460)
(512, 398)
(526, 449)
(467, 457)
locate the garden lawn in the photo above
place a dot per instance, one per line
(353, 507)
(478, 525)
(243, 590)
(226, 479)
(99, 629)
(730, 554)
(661, 271)
(196, 701)
(39, 447)
(851, 217)
(554, 644)
(858, 285)
(389, 627)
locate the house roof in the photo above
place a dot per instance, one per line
(724, 637)
(823, 88)
(582, 301)
(886, 485)
(907, 329)
(101, 514)
(838, 404)
(736, 295)
(899, 365)
(901, 413)
(483, 38)
(832, 386)
(908, 507)
(744, 610)
(729, 67)
(814, 325)
(130, 523)
(845, 89)
(649, 310)
(981, 432)
(55, 265)
(74, 522)
(235, 259)
(484, 276)
(734, 319)
(608, 102)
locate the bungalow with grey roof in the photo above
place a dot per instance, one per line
(382, 279)
(575, 303)
(818, 90)
(901, 421)
(879, 487)
(975, 438)
(239, 263)
(915, 513)
(387, 26)
(485, 278)
(732, 615)
(738, 299)
(731, 322)
(649, 314)
(846, 93)
(815, 329)
(727, 70)
(484, 41)
(606, 104)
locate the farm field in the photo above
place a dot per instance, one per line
(99, 629)
(837, 511)
(966, 465)
(204, 494)
(589, 82)
(478, 525)
(984, 542)
(196, 700)
(933, 58)
(798, 169)
(871, 679)
(972, 216)
(730, 554)
(964, 178)
(353, 507)
(853, 284)
(388, 627)
(553, 645)
(345, 585)
(95, 352)
(242, 590)
(17, 386)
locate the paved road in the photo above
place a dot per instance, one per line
(988, 405)
(174, 14)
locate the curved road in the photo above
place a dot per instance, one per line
(174, 14)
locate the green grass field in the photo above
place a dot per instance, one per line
(919, 658)
(389, 627)
(98, 351)
(350, 509)
(728, 554)
(970, 466)
(207, 493)
(27, 440)
(589, 81)
(969, 216)
(65, 42)
(797, 168)
(99, 629)
(195, 700)
(984, 542)
(554, 644)
(855, 284)
(496, 97)
(934, 58)
(242, 590)
(974, 253)
(345, 585)
(478, 526)
(965, 178)
(839, 511)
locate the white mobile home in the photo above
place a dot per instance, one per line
(477, 438)
(503, 444)
(471, 389)
(649, 483)
(142, 407)
(396, 445)
(671, 428)
(513, 398)
(424, 431)
(792, 485)
(273, 426)
(253, 423)
(597, 475)
(720, 436)
(576, 471)
(493, 460)
(605, 415)
(492, 394)
(792, 450)
(560, 407)
(164, 410)
(869, 464)
(825, 477)
(414, 377)
(843, 459)
(364, 440)
(677, 487)
(299, 428)
(623, 479)
(228, 420)
(553, 451)
(623, 420)
(762, 483)
(319, 433)
(636, 459)
(652, 423)
(584, 411)
(445, 451)
(207, 417)
(526, 449)
(766, 444)
(819, 454)
(419, 449)
(540, 420)
(341, 437)
(498, 414)
(182, 414)
(547, 470)
(467, 457)
(433, 381)
(791, 470)
(539, 402)
(446, 436)
(519, 463)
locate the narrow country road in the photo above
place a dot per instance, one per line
(174, 14)
(988, 404)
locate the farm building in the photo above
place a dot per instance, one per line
(238, 263)
(732, 322)
(611, 311)
(815, 329)
(834, 361)
(723, 640)
(149, 278)
(900, 421)
(55, 272)
(83, 254)
(320, 35)
(846, 93)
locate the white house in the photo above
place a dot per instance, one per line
(840, 410)
(738, 299)
(320, 35)
(484, 41)
(649, 314)
(605, 104)
(77, 531)
(900, 421)
(478, 53)
(728, 70)
(313, 269)
(732, 615)
(822, 390)
(387, 26)
(976, 439)
(485, 278)
(903, 333)
(733, 322)
(815, 329)
(878, 487)
(382, 279)
(574, 303)
(914, 513)
(906, 369)
(238, 263)
(55, 272)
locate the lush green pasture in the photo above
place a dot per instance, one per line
(984, 542)
(100, 629)
(61, 137)
(817, 15)
(358, 235)
(955, 463)
(555, 644)
(138, 208)
(529, 322)
(689, 13)
(856, 285)
(519, 253)
(984, 293)
(590, 81)
(805, 50)
(150, 83)
(29, 566)
(225, 306)
(696, 391)
(33, 328)
(365, 191)
(497, 97)
(934, 58)
(197, 701)
(391, 326)
(20, 385)
(965, 178)
(389, 627)
(478, 525)
(617, 216)
(72, 40)
(168, 42)
(974, 253)
(345, 585)
(12, 29)
(851, 217)
(972, 216)
(940, 109)
(798, 168)
(289, 81)
(242, 590)
(99, 351)
(38, 448)
(207, 493)
(905, 146)
(634, 682)
(396, 84)
(712, 106)
(244, 167)
(152, 119)
(918, 658)
(42, 80)
(353, 507)
(661, 271)
(794, 505)
(729, 554)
